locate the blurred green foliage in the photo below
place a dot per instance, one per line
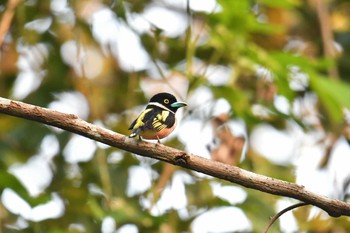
(243, 34)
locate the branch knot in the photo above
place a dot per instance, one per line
(182, 159)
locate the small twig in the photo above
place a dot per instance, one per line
(165, 79)
(279, 214)
(104, 173)
(164, 178)
(327, 35)
(7, 19)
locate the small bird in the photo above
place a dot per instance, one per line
(158, 119)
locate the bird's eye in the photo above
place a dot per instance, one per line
(166, 101)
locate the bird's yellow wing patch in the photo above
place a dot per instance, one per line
(139, 120)
(164, 115)
(159, 121)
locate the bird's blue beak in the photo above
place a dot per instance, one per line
(178, 104)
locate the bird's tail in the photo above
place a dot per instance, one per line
(135, 132)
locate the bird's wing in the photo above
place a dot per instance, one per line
(153, 119)
(139, 121)
(161, 119)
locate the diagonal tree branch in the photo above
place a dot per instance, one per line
(72, 123)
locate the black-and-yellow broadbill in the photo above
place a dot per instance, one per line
(158, 119)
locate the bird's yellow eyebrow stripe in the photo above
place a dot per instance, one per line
(139, 121)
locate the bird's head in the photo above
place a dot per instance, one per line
(167, 100)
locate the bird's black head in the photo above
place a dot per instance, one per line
(167, 100)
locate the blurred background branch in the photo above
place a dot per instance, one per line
(6, 18)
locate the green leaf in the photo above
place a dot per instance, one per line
(334, 95)
(8, 180)
(238, 99)
(285, 4)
